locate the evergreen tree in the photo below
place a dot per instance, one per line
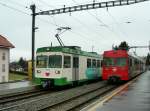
(123, 46)
(23, 63)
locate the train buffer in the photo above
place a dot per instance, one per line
(134, 96)
(16, 87)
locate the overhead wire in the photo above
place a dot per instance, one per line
(116, 22)
(85, 26)
(18, 4)
(99, 20)
(44, 3)
(18, 10)
(43, 20)
(12, 8)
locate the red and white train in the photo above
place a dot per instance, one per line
(119, 65)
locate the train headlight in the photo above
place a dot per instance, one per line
(114, 69)
(38, 71)
(57, 72)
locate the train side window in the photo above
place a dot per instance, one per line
(67, 62)
(88, 63)
(130, 61)
(121, 61)
(102, 63)
(98, 64)
(93, 63)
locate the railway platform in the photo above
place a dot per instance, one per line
(133, 97)
(15, 87)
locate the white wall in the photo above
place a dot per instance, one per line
(4, 65)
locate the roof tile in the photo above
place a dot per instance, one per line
(5, 43)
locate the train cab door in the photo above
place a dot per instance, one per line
(75, 75)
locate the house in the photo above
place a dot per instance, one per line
(5, 46)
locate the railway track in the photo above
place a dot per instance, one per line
(75, 102)
(64, 100)
(22, 95)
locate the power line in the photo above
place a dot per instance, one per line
(113, 18)
(82, 36)
(85, 26)
(18, 4)
(99, 20)
(45, 3)
(20, 11)
(12, 8)
(55, 20)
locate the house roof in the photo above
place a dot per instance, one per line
(5, 43)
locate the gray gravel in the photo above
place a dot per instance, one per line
(47, 100)
(71, 104)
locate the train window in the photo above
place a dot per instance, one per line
(109, 62)
(55, 61)
(41, 61)
(121, 61)
(89, 63)
(130, 61)
(98, 63)
(94, 63)
(101, 63)
(67, 61)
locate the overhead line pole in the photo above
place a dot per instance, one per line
(33, 8)
(148, 46)
(89, 6)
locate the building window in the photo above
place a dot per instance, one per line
(3, 67)
(3, 56)
(67, 61)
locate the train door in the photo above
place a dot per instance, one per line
(75, 75)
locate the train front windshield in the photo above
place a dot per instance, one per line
(55, 61)
(115, 61)
(41, 61)
(52, 61)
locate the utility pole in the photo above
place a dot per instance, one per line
(33, 7)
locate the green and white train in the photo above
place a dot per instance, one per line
(63, 65)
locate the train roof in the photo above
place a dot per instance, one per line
(68, 49)
(121, 53)
(115, 53)
(135, 56)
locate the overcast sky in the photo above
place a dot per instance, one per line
(100, 28)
